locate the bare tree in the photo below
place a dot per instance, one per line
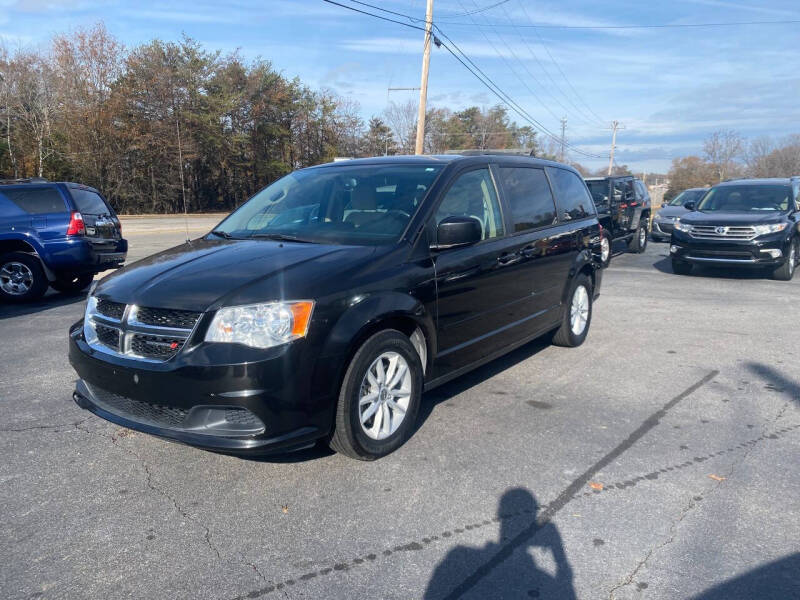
(402, 118)
(6, 94)
(36, 104)
(721, 149)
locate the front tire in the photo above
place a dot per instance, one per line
(786, 271)
(72, 283)
(577, 315)
(22, 278)
(379, 398)
(639, 241)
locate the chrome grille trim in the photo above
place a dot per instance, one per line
(135, 333)
(722, 232)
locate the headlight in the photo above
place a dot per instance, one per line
(682, 226)
(89, 331)
(261, 325)
(774, 228)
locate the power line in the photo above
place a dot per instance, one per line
(483, 78)
(477, 10)
(558, 66)
(650, 26)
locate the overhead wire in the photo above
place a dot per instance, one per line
(477, 72)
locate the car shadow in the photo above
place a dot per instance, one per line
(48, 302)
(776, 381)
(664, 264)
(431, 399)
(776, 580)
(506, 568)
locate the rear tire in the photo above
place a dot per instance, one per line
(605, 250)
(577, 314)
(366, 429)
(680, 267)
(786, 271)
(72, 283)
(22, 278)
(639, 241)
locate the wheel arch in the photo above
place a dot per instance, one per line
(28, 246)
(583, 264)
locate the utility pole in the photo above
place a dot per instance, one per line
(615, 125)
(423, 91)
(563, 137)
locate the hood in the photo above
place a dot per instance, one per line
(672, 211)
(205, 274)
(732, 218)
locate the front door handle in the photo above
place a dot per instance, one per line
(508, 259)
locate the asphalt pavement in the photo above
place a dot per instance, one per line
(658, 460)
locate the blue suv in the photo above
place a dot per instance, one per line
(54, 234)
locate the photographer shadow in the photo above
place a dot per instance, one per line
(505, 569)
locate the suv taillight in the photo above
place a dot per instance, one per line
(76, 226)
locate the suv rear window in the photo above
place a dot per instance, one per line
(37, 201)
(574, 201)
(88, 202)
(529, 197)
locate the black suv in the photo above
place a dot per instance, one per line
(741, 223)
(326, 304)
(623, 205)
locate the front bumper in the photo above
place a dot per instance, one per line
(730, 253)
(206, 396)
(662, 230)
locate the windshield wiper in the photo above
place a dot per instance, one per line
(222, 234)
(281, 237)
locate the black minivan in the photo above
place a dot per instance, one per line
(325, 305)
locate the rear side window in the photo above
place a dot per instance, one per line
(642, 190)
(37, 201)
(574, 201)
(529, 197)
(88, 202)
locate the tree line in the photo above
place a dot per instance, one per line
(165, 125)
(726, 155)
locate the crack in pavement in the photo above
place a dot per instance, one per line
(45, 427)
(150, 485)
(673, 530)
(547, 511)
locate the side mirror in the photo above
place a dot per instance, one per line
(689, 205)
(663, 205)
(453, 232)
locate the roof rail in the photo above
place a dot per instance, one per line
(496, 152)
(26, 180)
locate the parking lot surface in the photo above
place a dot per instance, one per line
(658, 460)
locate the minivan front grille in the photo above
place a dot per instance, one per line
(721, 232)
(113, 310)
(155, 346)
(175, 319)
(150, 334)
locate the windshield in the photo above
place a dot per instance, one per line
(687, 196)
(747, 198)
(359, 205)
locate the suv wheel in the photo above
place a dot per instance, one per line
(605, 250)
(72, 283)
(22, 278)
(379, 398)
(578, 314)
(786, 271)
(639, 241)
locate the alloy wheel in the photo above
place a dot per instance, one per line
(642, 236)
(579, 310)
(384, 395)
(16, 278)
(605, 249)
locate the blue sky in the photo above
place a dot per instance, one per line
(670, 87)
